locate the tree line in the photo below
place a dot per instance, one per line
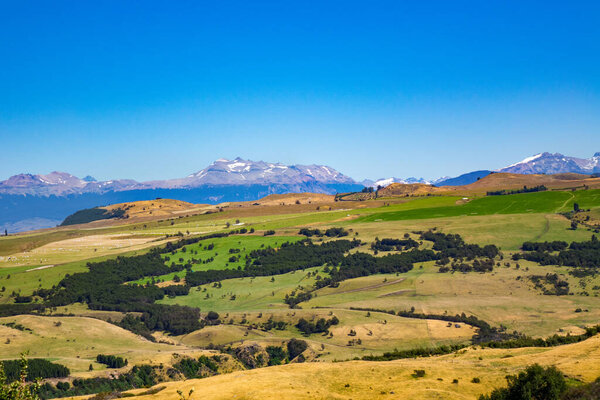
(578, 254)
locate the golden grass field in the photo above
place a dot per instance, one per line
(505, 296)
(391, 379)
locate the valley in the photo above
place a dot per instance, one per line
(315, 270)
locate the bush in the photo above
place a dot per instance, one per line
(419, 373)
(111, 361)
(536, 382)
(296, 347)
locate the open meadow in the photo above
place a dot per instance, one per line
(256, 287)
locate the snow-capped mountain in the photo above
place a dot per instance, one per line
(54, 183)
(388, 181)
(222, 172)
(547, 163)
(246, 172)
(30, 201)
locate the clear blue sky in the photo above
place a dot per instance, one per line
(152, 90)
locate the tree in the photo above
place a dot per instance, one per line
(576, 207)
(296, 347)
(19, 389)
(536, 382)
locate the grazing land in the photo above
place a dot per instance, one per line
(304, 292)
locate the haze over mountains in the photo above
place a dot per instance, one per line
(29, 201)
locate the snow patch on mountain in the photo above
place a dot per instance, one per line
(527, 160)
(383, 182)
(547, 163)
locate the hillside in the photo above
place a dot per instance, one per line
(494, 182)
(393, 379)
(410, 189)
(135, 209)
(36, 201)
(504, 180)
(295, 198)
(249, 286)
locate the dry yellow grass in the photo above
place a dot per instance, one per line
(158, 207)
(76, 341)
(392, 379)
(77, 249)
(492, 182)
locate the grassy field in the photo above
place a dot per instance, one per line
(505, 297)
(378, 332)
(393, 379)
(496, 297)
(75, 342)
(26, 279)
(508, 231)
(540, 202)
(220, 253)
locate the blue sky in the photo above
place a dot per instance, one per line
(152, 90)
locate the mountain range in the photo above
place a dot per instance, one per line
(222, 172)
(33, 201)
(29, 201)
(547, 163)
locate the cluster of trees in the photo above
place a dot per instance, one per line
(139, 377)
(331, 232)
(289, 257)
(174, 319)
(272, 324)
(362, 264)
(103, 283)
(198, 368)
(453, 246)
(536, 382)
(36, 368)
(294, 298)
(540, 188)
(554, 340)
(556, 245)
(558, 286)
(578, 254)
(175, 290)
(296, 347)
(485, 265)
(394, 244)
(277, 355)
(92, 214)
(320, 326)
(111, 361)
(547, 383)
(336, 232)
(310, 232)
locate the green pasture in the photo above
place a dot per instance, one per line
(260, 293)
(198, 251)
(523, 203)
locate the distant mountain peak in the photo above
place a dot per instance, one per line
(222, 172)
(548, 163)
(384, 182)
(241, 171)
